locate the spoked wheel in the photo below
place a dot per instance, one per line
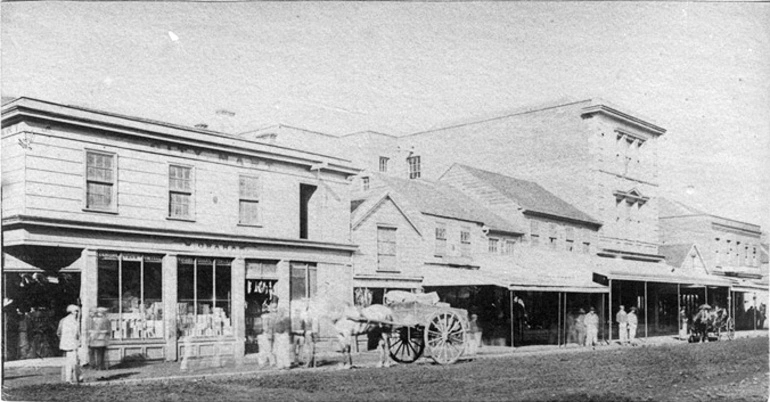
(446, 336)
(406, 344)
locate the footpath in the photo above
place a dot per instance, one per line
(48, 371)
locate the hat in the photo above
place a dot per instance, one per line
(72, 308)
(102, 309)
(581, 311)
(622, 306)
(592, 309)
(633, 309)
(704, 307)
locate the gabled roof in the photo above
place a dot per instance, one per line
(530, 196)
(675, 253)
(439, 199)
(367, 206)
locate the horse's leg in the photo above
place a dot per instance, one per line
(384, 348)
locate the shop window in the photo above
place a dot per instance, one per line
(383, 164)
(180, 188)
(493, 246)
(101, 194)
(304, 280)
(203, 297)
(465, 242)
(386, 249)
(365, 183)
(414, 167)
(509, 245)
(248, 200)
(261, 279)
(440, 240)
(131, 287)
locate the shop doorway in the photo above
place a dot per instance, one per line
(261, 280)
(33, 304)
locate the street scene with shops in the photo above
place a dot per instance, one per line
(376, 201)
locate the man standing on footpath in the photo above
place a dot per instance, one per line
(592, 328)
(69, 342)
(633, 322)
(622, 319)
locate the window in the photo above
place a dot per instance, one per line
(465, 242)
(131, 287)
(386, 249)
(553, 237)
(180, 192)
(754, 256)
(304, 280)
(440, 239)
(203, 297)
(100, 181)
(570, 239)
(509, 244)
(365, 183)
(493, 246)
(534, 232)
(586, 247)
(305, 196)
(248, 195)
(383, 164)
(414, 167)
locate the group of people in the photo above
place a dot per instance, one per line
(274, 338)
(583, 328)
(97, 339)
(627, 324)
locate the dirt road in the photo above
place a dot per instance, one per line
(736, 370)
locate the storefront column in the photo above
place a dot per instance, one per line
(609, 322)
(238, 311)
(646, 304)
(282, 287)
(88, 296)
(170, 304)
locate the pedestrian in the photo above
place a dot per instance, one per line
(761, 316)
(98, 337)
(69, 342)
(282, 346)
(474, 332)
(683, 323)
(580, 327)
(622, 319)
(633, 322)
(591, 322)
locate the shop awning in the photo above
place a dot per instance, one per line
(749, 286)
(387, 281)
(13, 264)
(530, 270)
(642, 271)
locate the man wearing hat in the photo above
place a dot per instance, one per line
(98, 337)
(622, 319)
(69, 342)
(592, 327)
(633, 322)
(580, 326)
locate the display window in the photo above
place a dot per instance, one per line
(131, 287)
(204, 297)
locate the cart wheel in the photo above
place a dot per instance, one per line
(446, 336)
(730, 329)
(406, 344)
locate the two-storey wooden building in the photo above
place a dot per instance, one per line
(178, 231)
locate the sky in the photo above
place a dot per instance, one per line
(700, 70)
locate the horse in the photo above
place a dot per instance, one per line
(702, 322)
(348, 321)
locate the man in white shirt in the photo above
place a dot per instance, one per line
(69, 342)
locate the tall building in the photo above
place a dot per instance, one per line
(177, 231)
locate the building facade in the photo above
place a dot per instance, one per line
(181, 233)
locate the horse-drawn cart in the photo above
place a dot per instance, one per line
(422, 324)
(711, 325)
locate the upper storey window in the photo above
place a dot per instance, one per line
(628, 150)
(101, 194)
(383, 164)
(180, 192)
(414, 167)
(248, 200)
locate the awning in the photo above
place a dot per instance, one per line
(642, 271)
(748, 286)
(536, 271)
(387, 281)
